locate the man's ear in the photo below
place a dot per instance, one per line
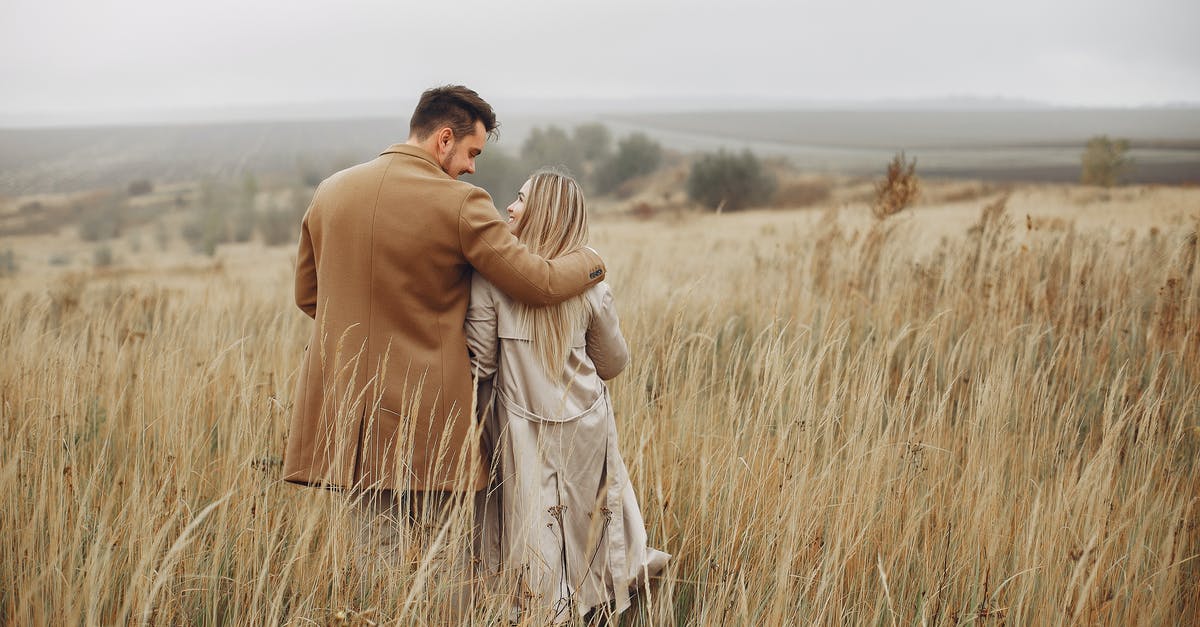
(445, 138)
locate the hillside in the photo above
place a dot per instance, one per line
(1040, 145)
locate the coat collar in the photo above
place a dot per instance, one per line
(412, 151)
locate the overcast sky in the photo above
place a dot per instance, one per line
(81, 57)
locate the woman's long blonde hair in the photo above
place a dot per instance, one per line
(554, 224)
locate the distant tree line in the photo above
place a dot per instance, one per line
(719, 181)
(587, 153)
(724, 181)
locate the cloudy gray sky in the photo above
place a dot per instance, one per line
(75, 59)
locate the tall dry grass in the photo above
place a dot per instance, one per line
(824, 425)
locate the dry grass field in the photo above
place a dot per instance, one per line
(975, 412)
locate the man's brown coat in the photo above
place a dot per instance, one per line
(387, 251)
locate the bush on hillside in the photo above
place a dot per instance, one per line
(552, 147)
(724, 181)
(637, 155)
(140, 187)
(1105, 161)
(500, 174)
(593, 140)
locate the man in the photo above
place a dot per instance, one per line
(383, 403)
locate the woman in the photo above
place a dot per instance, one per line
(560, 519)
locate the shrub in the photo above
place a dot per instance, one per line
(898, 190)
(593, 140)
(1105, 161)
(724, 181)
(637, 155)
(500, 174)
(552, 147)
(140, 187)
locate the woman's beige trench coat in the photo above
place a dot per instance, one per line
(387, 251)
(560, 515)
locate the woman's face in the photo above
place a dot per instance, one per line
(517, 208)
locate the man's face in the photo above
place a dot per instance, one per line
(457, 156)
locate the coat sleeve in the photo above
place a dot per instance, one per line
(605, 344)
(482, 340)
(306, 272)
(493, 251)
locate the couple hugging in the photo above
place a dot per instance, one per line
(456, 372)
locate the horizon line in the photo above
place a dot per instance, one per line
(381, 108)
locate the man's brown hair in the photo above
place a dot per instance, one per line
(451, 105)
